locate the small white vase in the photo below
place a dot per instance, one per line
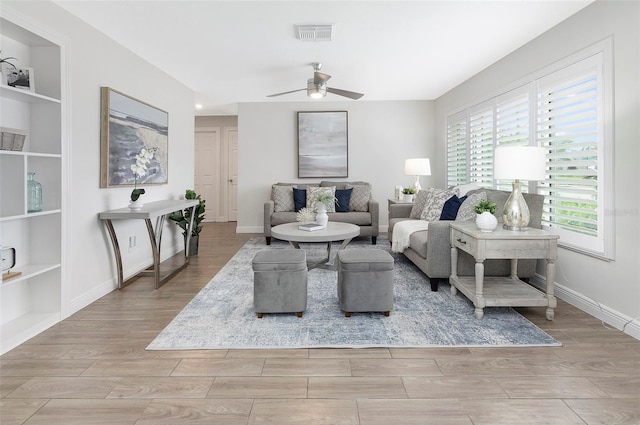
(321, 215)
(408, 198)
(135, 205)
(486, 221)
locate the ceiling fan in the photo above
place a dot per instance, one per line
(317, 86)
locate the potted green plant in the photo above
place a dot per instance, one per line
(408, 193)
(182, 219)
(324, 198)
(485, 218)
(322, 201)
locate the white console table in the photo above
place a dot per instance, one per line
(158, 210)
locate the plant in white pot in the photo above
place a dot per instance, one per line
(408, 193)
(322, 202)
(485, 218)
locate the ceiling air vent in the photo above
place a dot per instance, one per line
(314, 32)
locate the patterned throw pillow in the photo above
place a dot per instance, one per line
(282, 197)
(359, 197)
(433, 208)
(313, 191)
(419, 201)
(466, 212)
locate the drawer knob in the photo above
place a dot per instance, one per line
(461, 241)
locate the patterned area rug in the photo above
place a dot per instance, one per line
(221, 316)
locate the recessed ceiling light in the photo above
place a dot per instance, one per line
(198, 106)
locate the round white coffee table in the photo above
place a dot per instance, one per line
(334, 232)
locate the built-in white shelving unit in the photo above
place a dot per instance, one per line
(32, 301)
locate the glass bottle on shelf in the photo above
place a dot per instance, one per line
(34, 193)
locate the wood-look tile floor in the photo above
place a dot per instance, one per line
(92, 368)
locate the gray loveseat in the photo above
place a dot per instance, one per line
(430, 250)
(362, 212)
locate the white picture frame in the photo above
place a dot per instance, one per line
(21, 78)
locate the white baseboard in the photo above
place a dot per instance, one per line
(622, 322)
(103, 289)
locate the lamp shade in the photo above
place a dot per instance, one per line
(519, 163)
(417, 167)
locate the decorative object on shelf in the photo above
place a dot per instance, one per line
(485, 218)
(407, 194)
(139, 170)
(12, 139)
(323, 144)
(8, 261)
(306, 215)
(127, 126)
(417, 167)
(518, 163)
(182, 219)
(18, 78)
(34, 193)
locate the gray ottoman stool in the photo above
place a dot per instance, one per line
(365, 280)
(280, 281)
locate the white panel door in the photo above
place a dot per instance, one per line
(231, 136)
(207, 169)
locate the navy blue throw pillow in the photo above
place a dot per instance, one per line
(299, 198)
(451, 207)
(343, 197)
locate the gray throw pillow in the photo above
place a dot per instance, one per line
(282, 197)
(359, 197)
(313, 191)
(419, 201)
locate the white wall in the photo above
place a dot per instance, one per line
(94, 61)
(585, 281)
(381, 136)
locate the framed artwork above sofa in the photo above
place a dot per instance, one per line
(323, 144)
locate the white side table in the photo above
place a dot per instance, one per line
(503, 244)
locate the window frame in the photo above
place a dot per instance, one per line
(602, 245)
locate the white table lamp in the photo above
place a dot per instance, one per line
(417, 167)
(518, 163)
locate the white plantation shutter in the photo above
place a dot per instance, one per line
(481, 146)
(569, 126)
(512, 124)
(567, 108)
(457, 149)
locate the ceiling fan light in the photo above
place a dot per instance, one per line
(315, 92)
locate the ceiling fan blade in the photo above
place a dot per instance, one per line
(345, 93)
(286, 92)
(320, 78)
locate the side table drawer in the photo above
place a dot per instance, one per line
(463, 242)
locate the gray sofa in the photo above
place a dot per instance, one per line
(430, 250)
(368, 220)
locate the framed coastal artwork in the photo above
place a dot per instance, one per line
(323, 144)
(128, 126)
(18, 78)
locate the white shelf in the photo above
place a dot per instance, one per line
(34, 154)
(12, 93)
(28, 271)
(29, 215)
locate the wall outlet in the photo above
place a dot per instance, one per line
(132, 243)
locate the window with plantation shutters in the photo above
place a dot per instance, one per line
(569, 110)
(512, 124)
(566, 108)
(481, 122)
(457, 149)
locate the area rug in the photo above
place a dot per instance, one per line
(221, 315)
